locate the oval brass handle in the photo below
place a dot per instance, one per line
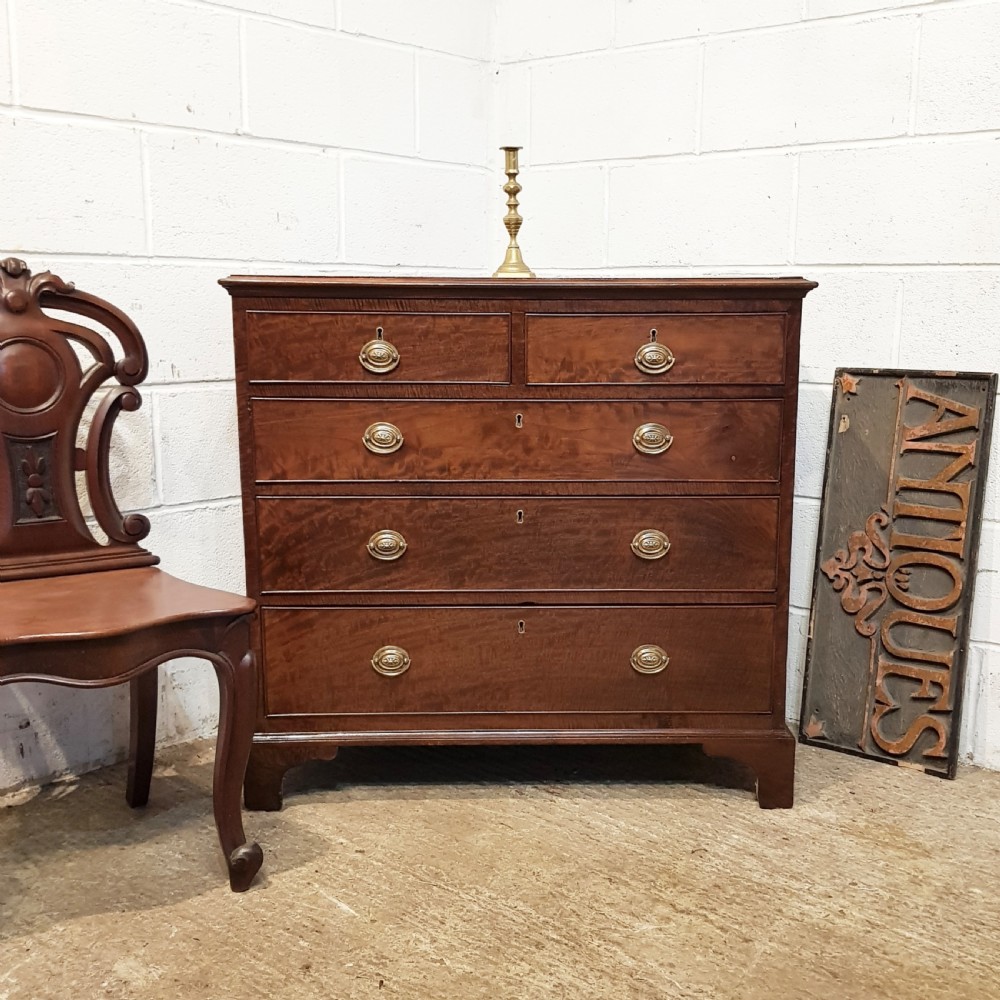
(390, 661)
(386, 545)
(652, 439)
(650, 543)
(649, 659)
(383, 438)
(379, 356)
(654, 358)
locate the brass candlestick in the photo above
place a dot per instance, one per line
(513, 265)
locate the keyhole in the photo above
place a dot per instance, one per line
(519, 420)
(652, 335)
(520, 517)
(520, 628)
(378, 333)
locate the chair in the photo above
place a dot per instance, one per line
(79, 612)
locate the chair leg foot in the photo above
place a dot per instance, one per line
(243, 864)
(143, 694)
(237, 673)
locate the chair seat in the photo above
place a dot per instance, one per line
(114, 602)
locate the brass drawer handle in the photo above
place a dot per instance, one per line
(390, 661)
(650, 544)
(654, 358)
(649, 659)
(379, 356)
(383, 438)
(652, 439)
(386, 545)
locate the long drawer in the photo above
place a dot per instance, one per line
(491, 543)
(378, 347)
(706, 659)
(741, 348)
(430, 440)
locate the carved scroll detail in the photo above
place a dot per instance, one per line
(19, 289)
(858, 572)
(130, 528)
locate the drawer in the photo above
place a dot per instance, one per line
(320, 661)
(746, 349)
(708, 440)
(502, 544)
(400, 347)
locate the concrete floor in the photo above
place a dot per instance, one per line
(565, 872)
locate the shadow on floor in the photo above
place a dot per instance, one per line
(462, 771)
(77, 849)
(57, 850)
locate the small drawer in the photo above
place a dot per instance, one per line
(656, 349)
(401, 545)
(440, 660)
(706, 440)
(378, 347)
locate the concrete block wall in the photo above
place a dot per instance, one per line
(856, 142)
(148, 149)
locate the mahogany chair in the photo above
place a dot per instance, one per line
(79, 612)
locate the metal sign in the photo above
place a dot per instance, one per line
(896, 565)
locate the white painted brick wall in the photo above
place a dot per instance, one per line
(198, 458)
(5, 64)
(642, 21)
(66, 183)
(848, 316)
(922, 201)
(834, 8)
(811, 84)
(577, 110)
(695, 211)
(577, 239)
(461, 27)
(209, 196)
(397, 213)
(329, 89)
(951, 313)
(463, 87)
(59, 44)
(319, 13)
(528, 29)
(856, 142)
(959, 86)
(148, 149)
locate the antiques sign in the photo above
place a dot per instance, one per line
(896, 564)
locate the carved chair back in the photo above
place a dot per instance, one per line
(44, 392)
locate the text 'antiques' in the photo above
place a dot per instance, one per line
(897, 556)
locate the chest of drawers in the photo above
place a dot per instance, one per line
(553, 511)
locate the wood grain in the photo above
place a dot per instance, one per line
(739, 349)
(324, 346)
(721, 440)
(517, 543)
(518, 659)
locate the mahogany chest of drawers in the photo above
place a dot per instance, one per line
(544, 511)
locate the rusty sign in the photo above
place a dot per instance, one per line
(896, 565)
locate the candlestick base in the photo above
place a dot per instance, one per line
(513, 265)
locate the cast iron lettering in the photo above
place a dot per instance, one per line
(905, 578)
